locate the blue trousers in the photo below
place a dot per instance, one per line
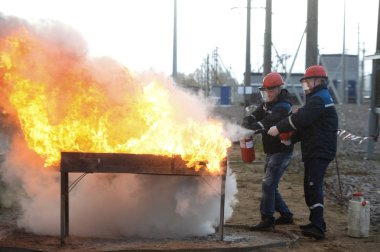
(271, 200)
(315, 170)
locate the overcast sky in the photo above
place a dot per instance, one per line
(139, 33)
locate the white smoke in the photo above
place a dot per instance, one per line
(236, 132)
(109, 205)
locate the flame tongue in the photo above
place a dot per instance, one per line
(66, 103)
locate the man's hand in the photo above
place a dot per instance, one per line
(273, 131)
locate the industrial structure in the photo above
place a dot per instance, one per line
(347, 82)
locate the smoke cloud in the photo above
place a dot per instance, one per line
(236, 132)
(104, 205)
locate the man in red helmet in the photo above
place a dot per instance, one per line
(275, 106)
(316, 126)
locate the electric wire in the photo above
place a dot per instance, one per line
(345, 135)
(76, 181)
(338, 174)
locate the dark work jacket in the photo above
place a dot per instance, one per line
(316, 125)
(268, 114)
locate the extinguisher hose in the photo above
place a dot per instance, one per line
(337, 172)
(259, 131)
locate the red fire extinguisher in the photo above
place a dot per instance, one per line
(247, 148)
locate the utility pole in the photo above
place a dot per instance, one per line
(247, 74)
(312, 33)
(207, 76)
(174, 73)
(268, 38)
(374, 113)
(215, 67)
(344, 86)
(362, 76)
(359, 83)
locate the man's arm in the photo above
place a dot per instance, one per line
(279, 111)
(304, 117)
(255, 116)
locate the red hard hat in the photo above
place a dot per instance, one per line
(315, 72)
(272, 80)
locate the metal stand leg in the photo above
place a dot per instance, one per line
(64, 206)
(222, 198)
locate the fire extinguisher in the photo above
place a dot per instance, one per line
(247, 148)
(358, 216)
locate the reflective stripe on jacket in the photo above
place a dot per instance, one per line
(316, 124)
(267, 115)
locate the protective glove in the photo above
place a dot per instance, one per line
(273, 131)
(285, 137)
(247, 121)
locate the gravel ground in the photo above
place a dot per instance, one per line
(357, 173)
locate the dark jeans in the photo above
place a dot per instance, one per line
(271, 200)
(315, 170)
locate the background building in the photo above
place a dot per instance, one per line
(347, 73)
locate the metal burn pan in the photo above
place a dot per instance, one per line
(128, 163)
(89, 162)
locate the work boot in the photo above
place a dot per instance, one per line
(284, 219)
(312, 231)
(305, 226)
(266, 224)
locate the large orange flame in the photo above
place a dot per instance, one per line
(63, 103)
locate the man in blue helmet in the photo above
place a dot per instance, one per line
(316, 126)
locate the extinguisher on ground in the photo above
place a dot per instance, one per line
(358, 216)
(247, 148)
